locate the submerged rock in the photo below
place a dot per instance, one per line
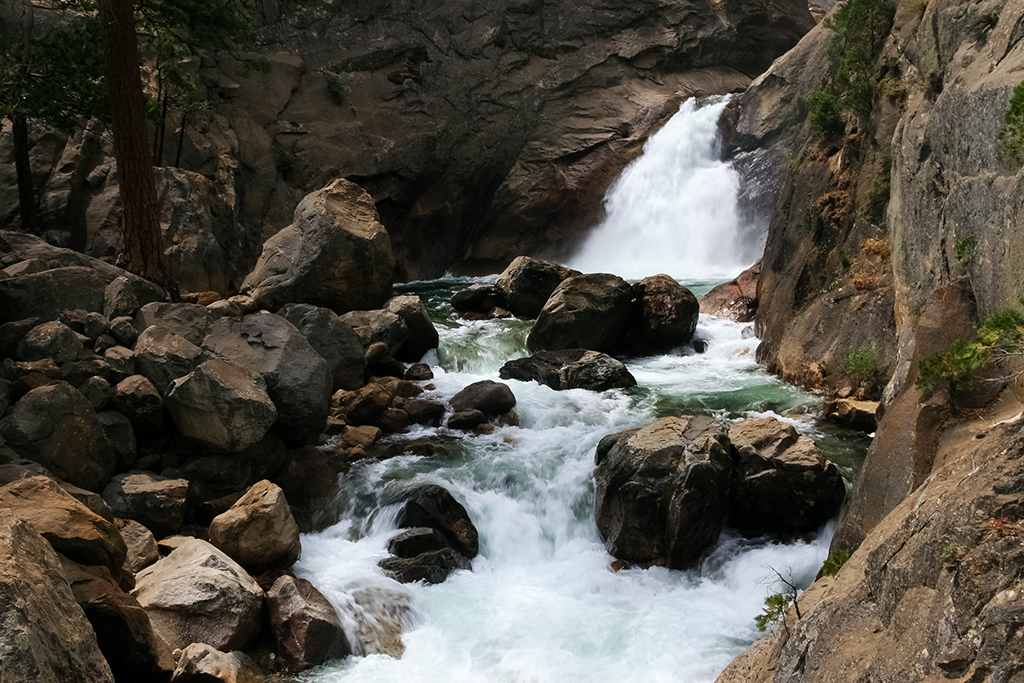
(432, 506)
(433, 566)
(487, 396)
(736, 299)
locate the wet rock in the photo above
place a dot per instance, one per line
(137, 399)
(258, 531)
(584, 312)
(199, 594)
(306, 627)
(570, 369)
(154, 501)
(478, 299)
(781, 481)
(432, 567)
(736, 299)
(666, 315)
(334, 340)
(413, 542)
(662, 491)
(53, 340)
(364, 406)
(432, 506)
(201, 663)
(487, 396)
(467, 420)
(527, 284)
(425, 412)
(422, 334)
(45, 634)
(162, 356)
(221, 407)
(334, 254)
(57, 427)
(419, 372)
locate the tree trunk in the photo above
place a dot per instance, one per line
(26, 197)
(143, 249)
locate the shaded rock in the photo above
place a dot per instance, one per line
(334, 254)
(467, 420)
(258, 531)
(422, 334)
(310, 484)
(394, 420)
(121, 436)
(53, 340)
(419, 372)
(137, 399)
(162, 356)
(23, 469)
(854, 414)
(665, 316)
(124, 295)
(121, 362)
(425, 412)
(221, 407)
(11, 334)
(433, 567)
(44, 635)
(662, 491)
(48, 294)
(781, 481)
(70, 527)
(140, 542)
(201, 663)
(296, 376)
(432, 506)
(527, 284)
(487, 396)
(191, 321)
(78, 372)
(334, 340)
(736, 299)
(306, 627)
(95, 325)
(378, 326)
(198, 594)
(26, 267)
(478, 299)
(123, 631)
(570, 369)
(154, 501)
(413, 542)
(57, 427)
(365, 405)
(123, 331)
(584, 312)
(364, 436)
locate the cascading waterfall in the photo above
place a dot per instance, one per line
(542, 603)
(675, 209)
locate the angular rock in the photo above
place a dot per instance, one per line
(432, 567)
(378, 326)
(333, 339)
(527, 284)
(57, 427)
(430, 505)
(197, 594)
(334, 254)
(479, 299)
(364, 406)
(95, 325)
(570, 369)
(662, 491)
(297, 377)
(413, 542)
(123, 331)
(140, 542)
(781, 481)
(121, 436)
(162, 356)
(137, 399)
(221, 407)
(44, 635)
(78, 372)
(124, 295)
(306, 626)
(121, 362)
(487, 396)
(156, 502)
(419, 372)
(736, 299)
(70, 527)
(425, 412)
(586, 311)
(665, 316)
(854, 414)
(191, 321)
(48, 294)
(53, 340)
(422, 333)
(258, 531)
(466, 420)
(201, 663)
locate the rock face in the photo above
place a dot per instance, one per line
(335, 254)
(306, 627)
(528, 282)
(258, 531)
(781, 481)
(584, 312)
(197, 594)
(570, 369)
(665, 314)
(734, 300)
(662, 491)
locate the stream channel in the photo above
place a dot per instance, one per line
(542, 603)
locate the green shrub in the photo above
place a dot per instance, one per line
(965, 248)
(950, 555)
(825, 114)
(862, 363)
(1011, 137)
(835, 561)
(959, 366)
(775, 607)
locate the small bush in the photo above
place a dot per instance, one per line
(958, 367)
(965, 248)
(862, 364)
(835, 561)
(775, 607)
(1011, 137)
(950, 555)
(984, 22)
(825, 114)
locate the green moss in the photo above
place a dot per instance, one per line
(959, 366)
(983, 22)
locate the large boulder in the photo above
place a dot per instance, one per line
(570, 369)
(57, 427)
(191, 321)
(378, 327)
(221, 407)
(197, 594)
(162, 356)
(527, 284)
(662, 491)
(297, 377)
(665, 316)
(478, 298)
(156, 502)
(781, 480)
(422, 333)
(44, 635)
(334, 254)
(430, 505)
(140, 401)
(735, 299)
(53, 340)
(487, 396)
(47, 294)
(584, 312)
(125, 294)
(333, 339)
(306, 627)
(258, 531)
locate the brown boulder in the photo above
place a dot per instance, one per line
(201, 663)
(258, 531)
(154, 501)
(527, 283)
(584, 312)
(306, 627)
(665, 316)
(736, 299)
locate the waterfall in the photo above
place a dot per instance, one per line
(675, 209)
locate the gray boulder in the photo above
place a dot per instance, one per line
(197, 594)
(306, 626)
(140, 542)
(53, 340)
(57, 427)
(48, 294)
(422, 333)
(258, 531)
(665, 316)
(334, 254)
(570, 369)
(124, 295)
(297, 377)
(527, 284)
(662, 491)
(162, 356)
(120, 434)
(378, 327)
(333, 339)
(430, 505)
(156, 502)
(487, 396)
(584, 312)
(221, 407)
(191, 321)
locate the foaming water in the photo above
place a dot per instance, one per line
(542, 603)
(675, 209)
